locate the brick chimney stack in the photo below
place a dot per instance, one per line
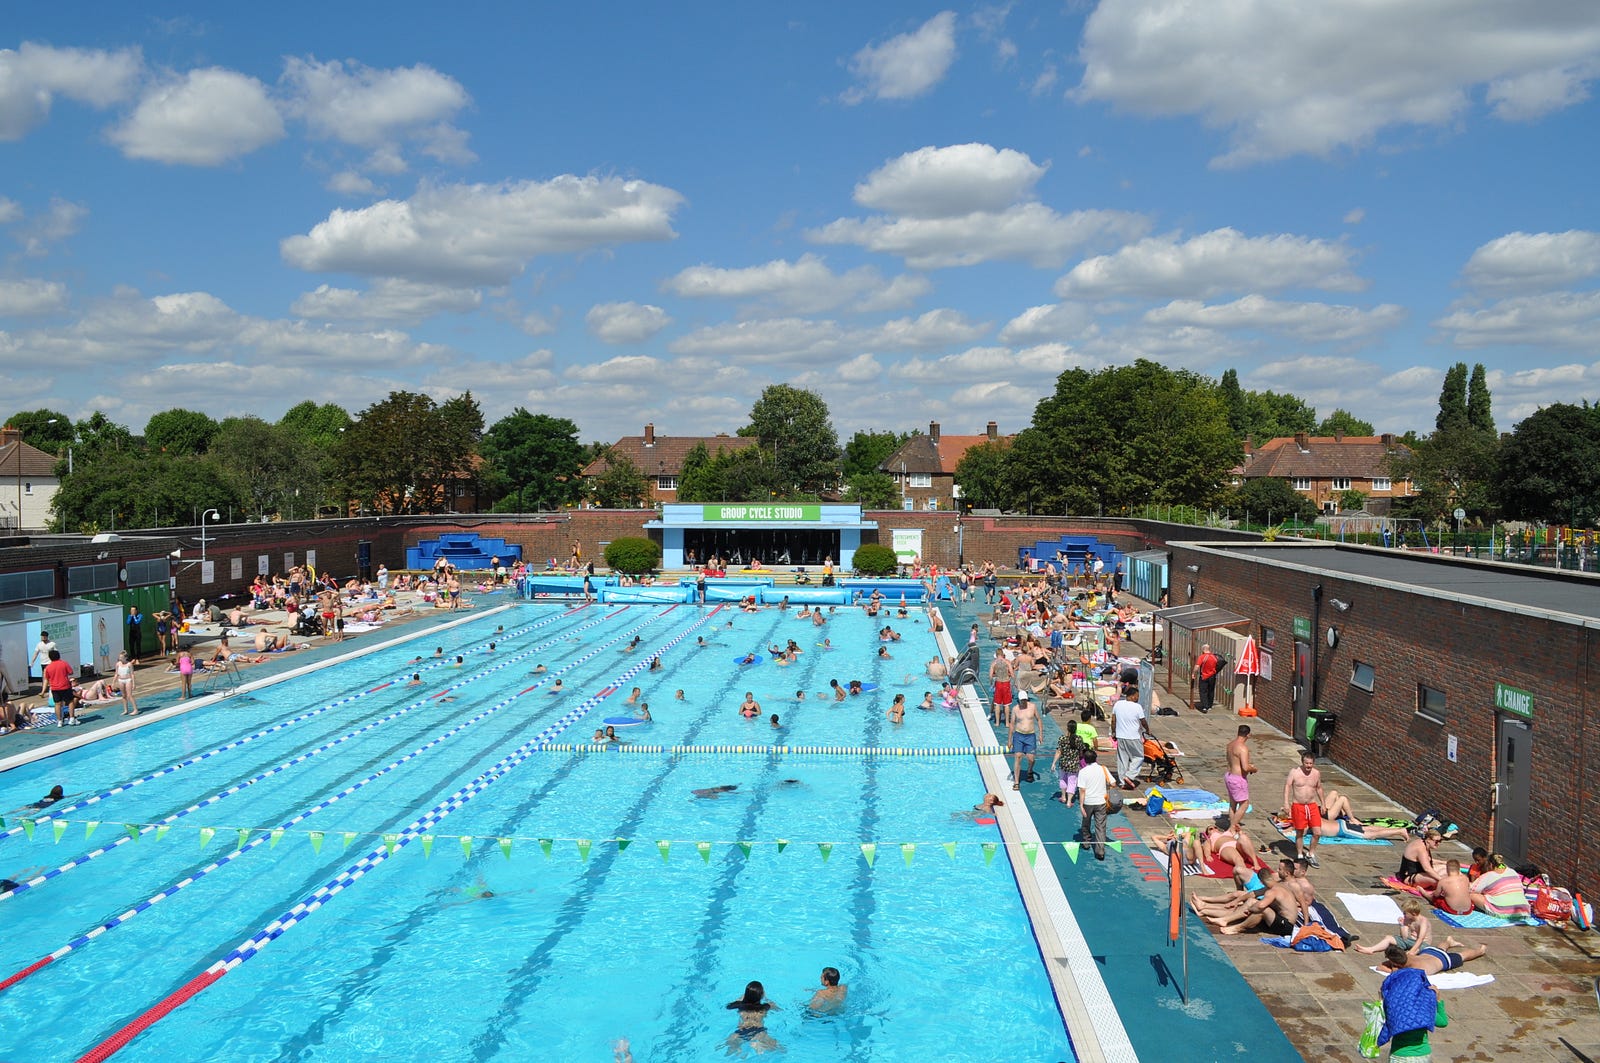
(933, 431)
(993, 431)
(650, 434)
(9, 435)
(1302, 440)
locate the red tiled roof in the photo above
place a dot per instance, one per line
(1324, 457)
(921, 454)
(35, 462)
(665, 457)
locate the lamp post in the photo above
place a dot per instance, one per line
(207, 515)
(56, 420)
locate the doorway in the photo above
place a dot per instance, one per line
(1515, 747)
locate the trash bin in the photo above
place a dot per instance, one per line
(1320, 725)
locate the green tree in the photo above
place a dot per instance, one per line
(1270, 500)
(272, 470)
(1350, 501)
(320, 426)
(867, 450)
(633, 555)
(401, 453)
(985, 476)
(98, 434)
(1480, 414)
(46, 429)
(1343, 422)
(1233, 401)
(538, 458)
(872, 490)
(1453, 400)
(1549, 467)
(134, 488)
(1269, 415)
(1450, 468)
(698, 480)
(793, 426)
(180, 431)
(621, 486)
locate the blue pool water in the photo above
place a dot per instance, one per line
(410, 959)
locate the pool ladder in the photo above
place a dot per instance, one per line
(223, 679)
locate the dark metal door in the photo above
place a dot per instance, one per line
(1511, 809)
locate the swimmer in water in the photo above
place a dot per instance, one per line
(700, 641)
(491, 647)
(416, 680)
(539, 669)
(678, 696)
(827, 644)
(883, 654)
(459, 660)
(557, 689)
(751, 707)
(927, 700)
(776, 726)
(644, 712)
(634, 697)
(438, 652)
(599, 735)
(838, 691)
(799, 695)
(855, 687)
(711, 793)
(55, 794)
(752, 1027)
(655, 664)
(749, 658)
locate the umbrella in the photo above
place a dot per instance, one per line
(1249, 665)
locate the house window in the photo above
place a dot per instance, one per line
(1382, 483)
(1330, 506)
(932, 503)
(1362, 676)
(1302, 483)
(1430, 703)
(1341, 483)
(27, 488)
(919, 479)
(461, 490)
(666, 483)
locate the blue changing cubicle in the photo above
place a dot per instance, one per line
(465, 550)
(1077, 550)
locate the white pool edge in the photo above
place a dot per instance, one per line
(1093, 1023)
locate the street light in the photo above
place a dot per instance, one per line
(57, 420)
(207, 515)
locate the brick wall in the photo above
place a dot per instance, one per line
(1455, 647)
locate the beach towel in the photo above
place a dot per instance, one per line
(1503, 892)
(1192, 796)
(1406, 887)
(1371, 908)
(1485, 921)
(1450, 979)
(1166, 865)
(1198, 814)
(1286, 828)
(1324, 915)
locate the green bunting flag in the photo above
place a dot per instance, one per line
(907, 851)
(466, 846)
(316, 841)
(161, 831)
(131, 828)
(826, 849)
(623, 843)
(1072, 850)
(783, 843)
(1115, 847)
(206, 834)
(744, 847)
(27, 828)
(663, 848)
(427, 845)
(870, 851)
(950, 849)
(704, 849)
(989, 849)
(2, 823)
(1031, 851)
(349, 836)
(88, 829)
(60, 827)
(583, 849)
(505, 847)
(275, 837)
(545, 845)
(244, 836)
(389, 841)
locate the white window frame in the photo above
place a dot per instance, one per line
(930, 503)
(1341, 483)
(1301, 483)
(666, 483)
(1382, 483)
(919, 479)
(27, 488)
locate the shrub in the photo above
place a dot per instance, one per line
(634, 556)
(875, 559)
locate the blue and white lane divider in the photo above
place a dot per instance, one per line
(245, 784)
(57, 813)
(418, 827)
(277, 832)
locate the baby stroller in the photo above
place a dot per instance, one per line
(1161, 763)
(308, 625)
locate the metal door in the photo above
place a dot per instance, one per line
(1511, 809)
(1302, 687)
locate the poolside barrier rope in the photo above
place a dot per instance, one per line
(237, 787)
(281, 725)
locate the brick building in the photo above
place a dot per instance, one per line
(660, 458)
(924, 466)
(1457, 684)
(1323, 468)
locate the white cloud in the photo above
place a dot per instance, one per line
(388, 300)
(949, 182)
(861, 369)
(1314, 322)
(1212, 263)
(30, 296)
(1045, 82)
(1529, 261)
(1568, 320)
(936, 328)
(351, 183)
(804, 286)
(1355, 216)
(59, 220)
(34, 74)
(1046, 361)
(10, 210)
(906, 66)
(205, 118)
(637, 369)
(625, 322)
(1287, 79)
(800, 339)
(1027, 232)
(1055, 321)
(483, 234)
(378, 109)
(536, 324)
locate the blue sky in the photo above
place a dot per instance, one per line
(651, 212)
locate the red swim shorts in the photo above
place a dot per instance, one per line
(1305, 817)
(1002, 693)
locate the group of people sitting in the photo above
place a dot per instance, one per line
(1486, 885)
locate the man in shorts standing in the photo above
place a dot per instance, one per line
(1000, 672)
(1237, 779)
(1302, 796)
(1023, 722)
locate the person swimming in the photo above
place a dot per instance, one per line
(711, 793)
(56, 793)
(752, 1027)
(557, 689)
(416, 680)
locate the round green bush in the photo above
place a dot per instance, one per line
(874, 559)
(634, 556)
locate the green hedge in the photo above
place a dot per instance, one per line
(874, 559)
(633, 555)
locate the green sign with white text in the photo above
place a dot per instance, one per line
(1512, 700)
(777, 511)
(1302, 628)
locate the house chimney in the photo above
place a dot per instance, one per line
(933, 431)
(1338, 435)
(1302, 441)
(993, 431)
(9, 435)
(650, 434)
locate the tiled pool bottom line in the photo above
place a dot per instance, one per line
(1093, 1023)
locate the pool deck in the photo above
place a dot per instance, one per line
(1544, 990)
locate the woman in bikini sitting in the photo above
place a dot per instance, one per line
(1416, 863)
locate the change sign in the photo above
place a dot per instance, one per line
(1512, 700)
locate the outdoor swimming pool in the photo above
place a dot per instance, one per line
(627, 906)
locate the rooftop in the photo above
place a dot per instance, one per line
(1310, 456)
